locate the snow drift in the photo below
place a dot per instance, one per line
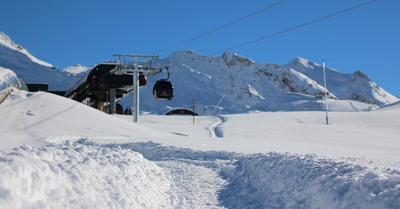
(87, 174)
(72, 175)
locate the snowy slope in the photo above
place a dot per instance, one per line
(37, 115)
(245, 86)
(71, 156)
(239, 83)
(32, 70)
(357, 86)
(6, 41)
(57, 153)
(80, 176)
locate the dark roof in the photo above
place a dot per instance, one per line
(181, 112)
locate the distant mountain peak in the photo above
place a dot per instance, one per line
(234, 82)
(303, 63)
(361, 75)
(232, 59)
(6, 41)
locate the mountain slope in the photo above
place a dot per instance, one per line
(245, 86)
(7, 42)
(357, 86)
(235, 83)
(30, 69)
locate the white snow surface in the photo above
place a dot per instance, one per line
(250, 86)
(32, 70)
(357, 86)
(56, 153)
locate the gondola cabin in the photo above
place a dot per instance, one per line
(163, 89)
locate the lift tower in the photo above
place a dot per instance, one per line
(129, 64)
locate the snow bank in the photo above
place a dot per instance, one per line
(279, 180)
(36, 115)
(294, 181)
(73, 175)
(86, 174)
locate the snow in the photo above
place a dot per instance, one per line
(37, 119)
(250, 87)
(265, 146)
(59, 153)
(79, 176)
(6, 41)
(7, 76)
(76, 69)
(356, 86)
(32, 70)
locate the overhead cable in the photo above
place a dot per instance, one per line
(211, 31)
(293, 28)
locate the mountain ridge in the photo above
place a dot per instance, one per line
(236, 82)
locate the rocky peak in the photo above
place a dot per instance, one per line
(361, 75)
(232, 59)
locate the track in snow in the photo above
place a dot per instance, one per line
(219, 179)
(216, 128)
(354, 108)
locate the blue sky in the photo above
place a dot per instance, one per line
(66, 33)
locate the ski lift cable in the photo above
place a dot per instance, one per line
(216, 29)
(226, 92)
(167, 72)
(293, 28)
(280, 32)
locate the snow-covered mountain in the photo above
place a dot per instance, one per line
(58, 153)
(241, 85)
(357, 86)
(236, 83)
(32, 70)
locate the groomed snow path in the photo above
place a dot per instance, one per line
(84, 174)
(62, 162)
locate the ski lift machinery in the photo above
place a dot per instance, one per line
(129, 66)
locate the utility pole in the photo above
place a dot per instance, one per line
(193, 110)
(135, 94)
(326, 93)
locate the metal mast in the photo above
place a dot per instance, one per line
(326, 93)
(129, 66)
